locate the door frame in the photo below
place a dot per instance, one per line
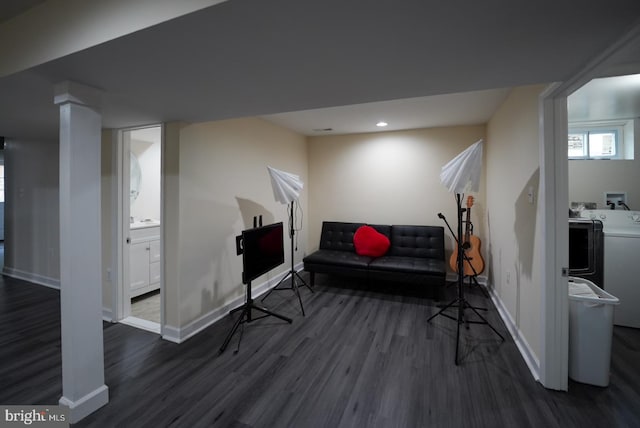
(554, 167)
(121, 301)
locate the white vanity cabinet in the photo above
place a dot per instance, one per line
(144, 260)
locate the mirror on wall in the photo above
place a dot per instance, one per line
(135, 178)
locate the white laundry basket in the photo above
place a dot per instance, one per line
(590, 332)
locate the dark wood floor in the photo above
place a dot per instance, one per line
(362, 357)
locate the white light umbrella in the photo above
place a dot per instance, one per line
(462, 173)
(286, 186)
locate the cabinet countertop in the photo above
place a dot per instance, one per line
(144, 224)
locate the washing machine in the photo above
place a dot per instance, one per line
(621, 230)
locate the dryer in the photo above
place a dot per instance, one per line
(621, 231)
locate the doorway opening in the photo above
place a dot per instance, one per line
(554, 126)
(140, 290)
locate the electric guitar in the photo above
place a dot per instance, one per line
(473, 263)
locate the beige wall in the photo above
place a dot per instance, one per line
(513, 222)
(387, 178)
(590, 179)
(171, 222)
(32, 214)
(216, 181)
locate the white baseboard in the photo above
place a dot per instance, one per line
(150, 326)
(107, 314)
(453, 277)
(86, 405)
(31, 277)
(171, 333)
(523, 346)
(180, 334)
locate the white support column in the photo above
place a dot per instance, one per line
(83, 388)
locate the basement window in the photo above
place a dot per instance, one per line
(602, 141)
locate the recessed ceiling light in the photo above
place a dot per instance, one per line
(381, 124)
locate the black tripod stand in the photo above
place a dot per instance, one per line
(460, 302)
(246, 316)
(295, 276)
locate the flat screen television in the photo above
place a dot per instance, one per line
(262, 250)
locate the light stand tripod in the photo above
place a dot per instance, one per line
(295, 276)
(246, 316)
(460, 301)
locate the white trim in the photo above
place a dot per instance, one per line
(163, 296)
(525, 349)
(553, 200)
(181, 334)
(123, 213)
(31, 277)
(453, 277)
(86, 405)
(114, 226)
(171, 333)
(142, 324)
(121, 292)
(107, 314)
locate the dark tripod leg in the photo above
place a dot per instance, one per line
(233, 330)
(484, 321)
(273, 314)
(284, 278)
(304, 282)
(444, 308)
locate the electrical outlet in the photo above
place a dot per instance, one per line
(109, 274)
(508, 277)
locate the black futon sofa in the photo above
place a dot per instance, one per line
(416, 255)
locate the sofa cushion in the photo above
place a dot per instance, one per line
(414, 265)
(337, 258)
(369, 242)
(338, 236)
(417, 241)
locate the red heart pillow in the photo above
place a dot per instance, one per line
(370, 242)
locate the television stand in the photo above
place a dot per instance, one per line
(246, 317)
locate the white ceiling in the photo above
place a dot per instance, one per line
(606, 99)
(469, 108)
(247, 58)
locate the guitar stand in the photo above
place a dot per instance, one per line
(472, 278)
(460, 302)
